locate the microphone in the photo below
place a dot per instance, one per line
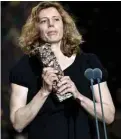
(89, 74)
(98, 76)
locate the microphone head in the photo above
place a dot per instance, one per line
(97, 73)
(88, 73)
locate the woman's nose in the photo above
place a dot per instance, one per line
(51, 23)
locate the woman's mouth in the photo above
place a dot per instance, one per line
(51, 33)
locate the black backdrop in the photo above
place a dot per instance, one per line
(100, 25)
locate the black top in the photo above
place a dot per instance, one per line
(58, 120)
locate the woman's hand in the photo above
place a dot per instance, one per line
(49, 75)
(66, 85)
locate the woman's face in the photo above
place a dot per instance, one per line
(50, 25)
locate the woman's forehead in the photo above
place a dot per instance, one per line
(51, 11)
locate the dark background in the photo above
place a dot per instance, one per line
(100, 25)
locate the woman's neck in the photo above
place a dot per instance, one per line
(63, 60)
(57, 50)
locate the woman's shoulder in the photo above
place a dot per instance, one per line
(24, 70)
(25, 62)
(86, 57)
(92, 60)
(21, 64)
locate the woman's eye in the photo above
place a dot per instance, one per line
(43, 21)
(57, 19)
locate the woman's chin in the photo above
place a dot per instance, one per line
(53, 41)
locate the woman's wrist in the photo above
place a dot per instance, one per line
(43, 92)
(79, 97)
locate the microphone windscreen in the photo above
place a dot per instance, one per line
(88, 73)
(97, 73)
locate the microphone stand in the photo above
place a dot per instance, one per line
(96, 119)
(104, 125)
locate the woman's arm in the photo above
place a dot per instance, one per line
(20, 113)
(67, 85)
(108, 106)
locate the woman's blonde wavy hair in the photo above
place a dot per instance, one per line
(30, 35)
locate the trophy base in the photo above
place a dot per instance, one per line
(63, 97)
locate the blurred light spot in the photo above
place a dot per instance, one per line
(14, 3)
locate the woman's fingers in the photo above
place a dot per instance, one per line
(50, 78)
(49, 75)
(48, 70)
(63, 87)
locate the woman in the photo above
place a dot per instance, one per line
(32, 102)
